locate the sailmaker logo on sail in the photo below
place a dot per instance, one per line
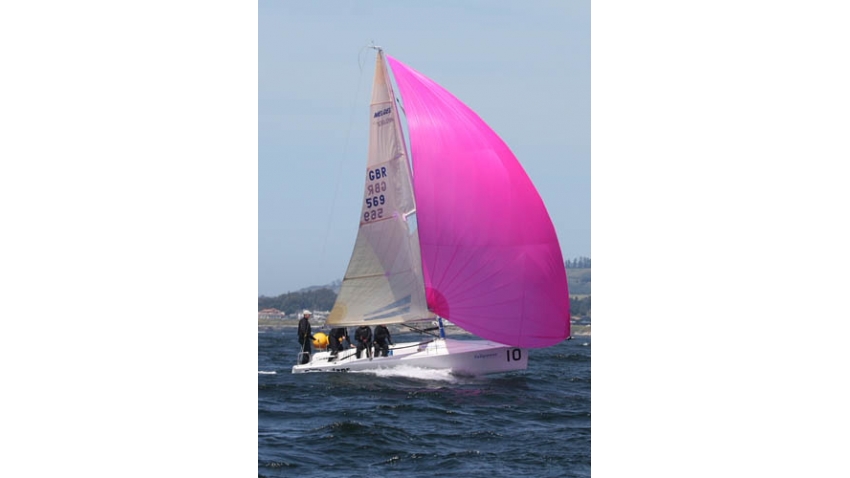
(383, 112)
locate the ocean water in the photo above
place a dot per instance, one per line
(423, 423)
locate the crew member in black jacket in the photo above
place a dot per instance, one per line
(335, 339)
(305, 337)
(363, 340)
(382, 341)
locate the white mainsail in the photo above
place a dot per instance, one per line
(384, 283)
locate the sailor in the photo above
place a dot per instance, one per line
(305, 337)
(382, 341)
(335, 340)
(363, 340)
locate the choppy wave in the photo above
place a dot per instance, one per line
(411, 421)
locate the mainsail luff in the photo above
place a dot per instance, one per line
(383, 282)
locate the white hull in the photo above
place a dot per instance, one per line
(463, 357)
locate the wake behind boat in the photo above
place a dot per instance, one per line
(459, 233)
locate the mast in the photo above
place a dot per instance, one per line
(384, 283)
(395, 105)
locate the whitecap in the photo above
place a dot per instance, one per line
(413, 372)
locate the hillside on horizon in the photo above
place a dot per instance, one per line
(322, 297)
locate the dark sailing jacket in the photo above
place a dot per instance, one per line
(382, 334)
(339, 334)
(304, 330)
(363, 334)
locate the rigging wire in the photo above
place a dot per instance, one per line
(426, 331)
(344, 152)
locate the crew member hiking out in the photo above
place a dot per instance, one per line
(363, 339)
(335, 339)
(382, 341)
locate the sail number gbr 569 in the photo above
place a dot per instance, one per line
(376, 188)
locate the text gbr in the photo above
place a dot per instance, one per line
(373, 198)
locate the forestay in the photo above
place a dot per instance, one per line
(384, 283)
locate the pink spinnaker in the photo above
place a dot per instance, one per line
(491, 259)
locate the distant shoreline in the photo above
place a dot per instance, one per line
(577, 330)
(581, 330)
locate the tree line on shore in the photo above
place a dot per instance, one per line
(578, 263)
(318, 299)
(580, 307)
(323, 298)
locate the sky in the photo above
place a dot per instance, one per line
(129, 203)
(524, 67)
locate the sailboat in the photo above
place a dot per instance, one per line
(453, 230)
